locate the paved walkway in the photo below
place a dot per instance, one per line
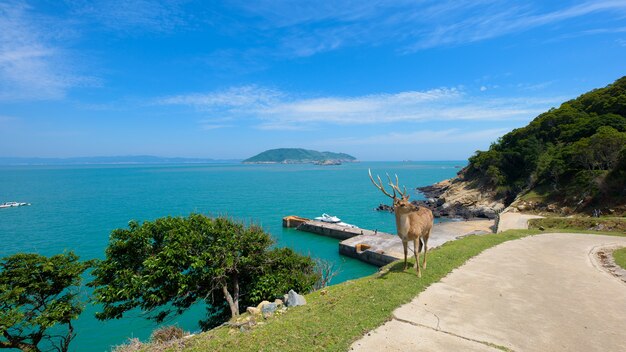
(540, 293)
(511, 221)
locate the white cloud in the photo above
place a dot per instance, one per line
(441, 137)
(271, 109)
(126, 15)
(30, 67)
(308, 29)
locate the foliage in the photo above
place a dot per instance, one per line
(165, 266)
(297, 155)
(38, 293)
(577, 149)
(619, 255)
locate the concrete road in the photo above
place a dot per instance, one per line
(540, 293)
(511, 221)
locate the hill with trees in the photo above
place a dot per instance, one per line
(570, 159)
(297, 156)
(574, 155)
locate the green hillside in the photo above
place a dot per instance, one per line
(573, 156)
(297, 155)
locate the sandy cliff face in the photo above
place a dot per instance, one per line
(458, 198)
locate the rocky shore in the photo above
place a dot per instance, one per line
(455, 198)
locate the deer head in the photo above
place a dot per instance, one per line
(401, 201)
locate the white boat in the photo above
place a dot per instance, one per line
(328, 218)
(13, 204)
(333, 220)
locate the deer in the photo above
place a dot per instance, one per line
(413, 223)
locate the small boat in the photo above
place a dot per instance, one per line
(333, 220)
(328, 218)
(13, 204)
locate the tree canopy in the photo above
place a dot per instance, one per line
(165, 266)
(36, 294)
(571, 153)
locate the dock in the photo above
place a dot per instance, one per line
(380, 248)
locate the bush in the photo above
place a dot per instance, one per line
(166, 334)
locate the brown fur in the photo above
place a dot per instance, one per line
(413, 223)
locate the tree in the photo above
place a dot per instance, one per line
(165, 266)
(36, 294)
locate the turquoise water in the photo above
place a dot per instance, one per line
(76, 207)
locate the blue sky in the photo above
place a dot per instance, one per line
(389, 80)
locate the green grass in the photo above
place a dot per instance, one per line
(620, 257)
(605, 224)
(332, 322)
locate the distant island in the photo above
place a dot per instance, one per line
(299, 156)
(100, 160)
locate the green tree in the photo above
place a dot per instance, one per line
(165, 266)
(36, 294)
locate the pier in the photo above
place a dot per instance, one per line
(380, 248)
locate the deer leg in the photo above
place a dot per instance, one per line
(405, 245)
(417, 256)
(425, 250)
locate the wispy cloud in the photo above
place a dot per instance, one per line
(272, 109)
(30, 66)
(421, 137)
(132, 15)
(327, 25)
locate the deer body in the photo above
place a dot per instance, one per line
(413, 223)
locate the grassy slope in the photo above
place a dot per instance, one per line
(331, 322)
(611, 224)
(620, 257)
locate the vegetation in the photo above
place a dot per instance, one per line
(574, 155)
(609, 224)
(39, 294)
(619, 256)
(297, 155)
(165, 266)
(365, 303)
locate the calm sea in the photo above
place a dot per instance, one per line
(76, 207)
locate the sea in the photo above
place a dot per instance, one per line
(75, 208)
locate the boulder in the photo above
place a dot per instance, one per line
(260, 306)
(268, 310)
(294, 299)
(279, 303)
(253, 310)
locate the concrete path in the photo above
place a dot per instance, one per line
(540, 293)
(512, 221)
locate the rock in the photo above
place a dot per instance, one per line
(260, 306)
(294, 299)
(385, 207)
(253, 310)
(279, 303)
(268, 310)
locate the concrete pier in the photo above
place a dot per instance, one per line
(380, 248)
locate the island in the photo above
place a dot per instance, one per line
(299, 156)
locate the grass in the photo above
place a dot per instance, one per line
(605, 224)
(334, 320)
(331, 322)
(619, 256)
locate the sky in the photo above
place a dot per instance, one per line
(381, 80)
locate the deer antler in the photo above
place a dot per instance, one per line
(396, 187)
(380, 186)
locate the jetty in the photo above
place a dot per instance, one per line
(381, 248)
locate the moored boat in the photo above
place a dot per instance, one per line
(13, 204)
(333, 220)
